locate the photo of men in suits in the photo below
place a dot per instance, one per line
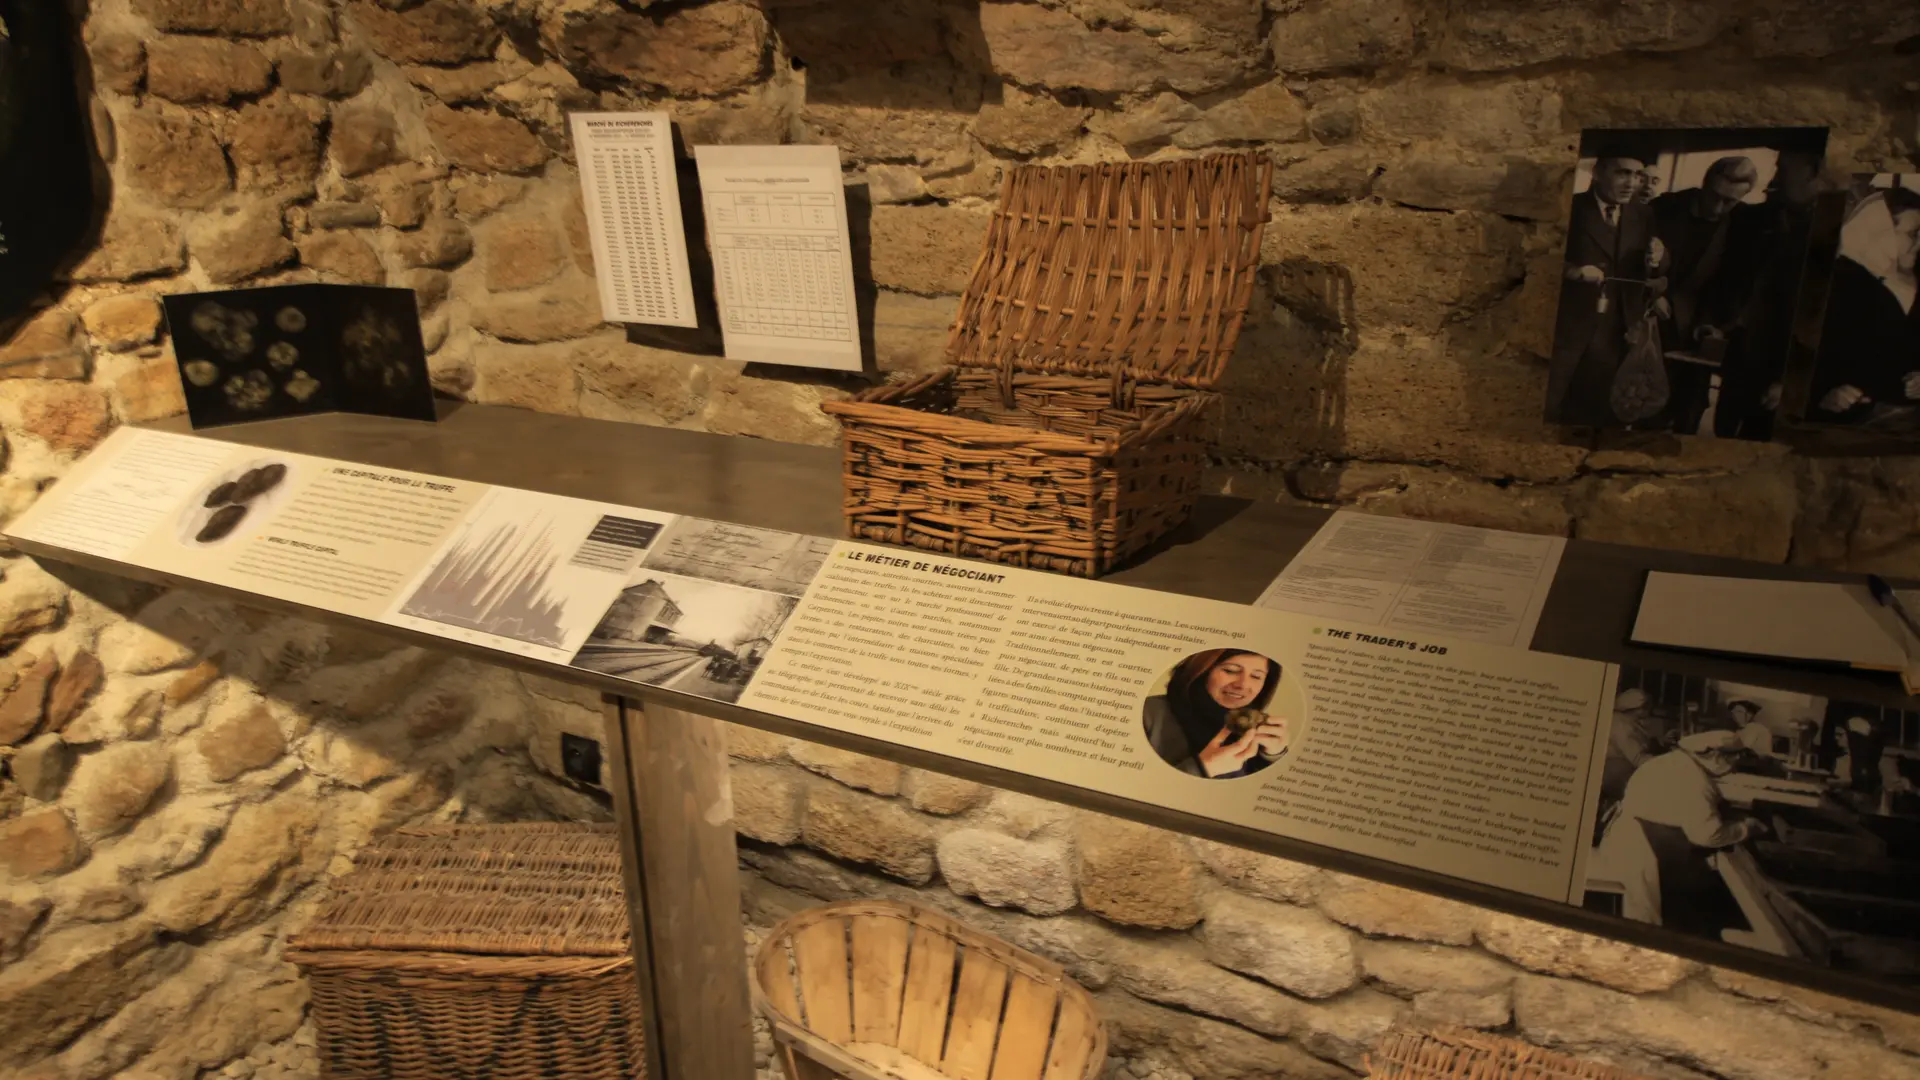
(1610, 274)
(1683, 262)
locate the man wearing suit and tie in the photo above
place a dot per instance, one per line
(1608, 280)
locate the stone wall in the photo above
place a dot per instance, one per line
(181, 775)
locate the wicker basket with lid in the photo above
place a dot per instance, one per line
(1069, 433)
(477, 952)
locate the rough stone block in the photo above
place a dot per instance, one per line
(932, 793)
(1135, 874)
(173, 157)
(485, 141)
(1036, 877)
(868, 829)
(521, 252)
(441, 243)
(1293, 948)
(1052, 47)
(31, 600)
(436, 32)
(199, 70)
(343, 255)
(699, 51)
(1345, 35)
(1201, 1047)
(1174, 973)
(243, 18)
(42, 766)
(1028, 124)
(524, 377)
(333, 73)
(873, 774)
(928, 250)
(123, 322)
(132, 246)
(913, 113)
(1549, 949)
(769, 802)
(25, 705)
(247, 245)
(1682, 513)
(17, 920)
(1509, 114)
(364, 138)
(68, 417)
(1262, 875)
(113, 787)
(240, 743)
(566, 309)
(753, 744)
(47, 346)
(119, 61)
(1510, 186)
(1268, 113)
(40, 843)
(1385, 910)
(260, 854)
(1404, 967)
(78, 680)
(75, 978)
(462, 85)
(1497, 34)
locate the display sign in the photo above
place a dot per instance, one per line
(1766, 820)
(632, 202)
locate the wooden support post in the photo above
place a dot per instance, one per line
(669, 778)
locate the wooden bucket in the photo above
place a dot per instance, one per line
(874, 990)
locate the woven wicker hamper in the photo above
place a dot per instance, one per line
(1069, 432)
(489, 952)
(877, 990)
(1460, 1054)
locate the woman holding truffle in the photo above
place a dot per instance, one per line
(1212, 721)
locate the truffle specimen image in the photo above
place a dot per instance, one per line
(201, 372)
(249, 392)
(228, 330)
(223, 522)
(257, 482)
(283, 354)
(221, 495)
(301, 386)
(375, 354)
(291, 320)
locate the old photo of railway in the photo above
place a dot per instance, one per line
(705, 638)
(1778, 821)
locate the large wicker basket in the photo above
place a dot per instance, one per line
(489, 952)
(873, 990)
(1459, 1054)
(1069, 433)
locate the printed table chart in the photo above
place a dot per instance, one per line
(780, 283)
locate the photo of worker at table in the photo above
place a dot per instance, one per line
(1223, 713)
(1773, 820)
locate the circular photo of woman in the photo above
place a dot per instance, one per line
(1217, 716)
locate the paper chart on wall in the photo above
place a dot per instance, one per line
(782, 260)
(632, 199)
(1411, 576)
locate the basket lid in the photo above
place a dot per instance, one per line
(491, 890)
(1135, 270)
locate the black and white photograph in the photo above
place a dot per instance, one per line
(699, 637)
(1684, 258)
(782, 562)
(1866, 371)
(1774, 820)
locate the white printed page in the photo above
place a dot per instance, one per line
(1472, 584)
(528, 573)
(1463, 759)
(122, 492)
(632, 203)
(782, 262)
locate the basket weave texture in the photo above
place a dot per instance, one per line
(875, 990)
(1457, 1054)
(477, 952)
(1069, 432)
